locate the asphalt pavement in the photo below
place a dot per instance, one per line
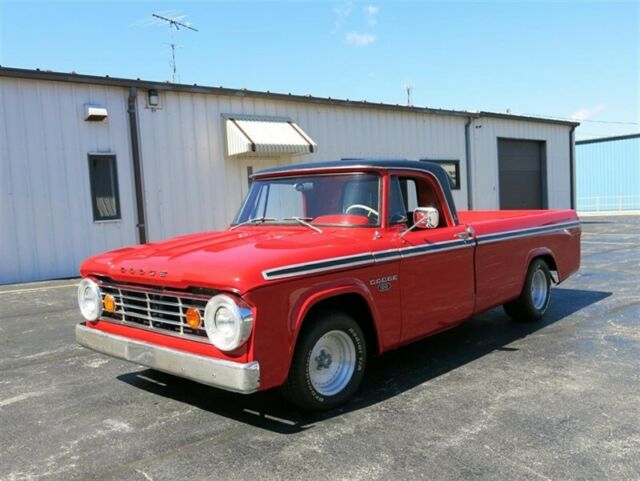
(491, 399)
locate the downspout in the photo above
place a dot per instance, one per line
(137, 169)
(572, 167)
(467, 153)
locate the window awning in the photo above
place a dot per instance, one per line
(274, 136)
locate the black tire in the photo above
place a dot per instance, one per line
(529, 307)
(299, 388)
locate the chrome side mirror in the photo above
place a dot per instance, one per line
(424, 218)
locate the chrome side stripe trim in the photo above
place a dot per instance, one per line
(312, 267)
(435, 247)
(362, 259)
(514, 234)
(404, 252)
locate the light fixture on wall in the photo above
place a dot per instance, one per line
(153, 98)
(95, 113)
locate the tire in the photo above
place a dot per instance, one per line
(317, 379)
(535, 296)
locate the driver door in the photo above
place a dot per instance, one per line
(436, 265)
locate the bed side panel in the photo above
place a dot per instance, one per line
(506, 246)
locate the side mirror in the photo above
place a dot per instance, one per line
(423, 218)
(426, 218)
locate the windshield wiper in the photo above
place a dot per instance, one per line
(303, 221)
(251, 221)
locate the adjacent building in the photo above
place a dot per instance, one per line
(608, 174)
(91, 163)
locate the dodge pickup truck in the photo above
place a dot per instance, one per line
(325, 265)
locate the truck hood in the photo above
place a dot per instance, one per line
(227, 260)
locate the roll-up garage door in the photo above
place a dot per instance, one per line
(522, 174)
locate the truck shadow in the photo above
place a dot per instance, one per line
(387, 376)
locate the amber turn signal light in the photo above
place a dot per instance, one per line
(109, 303)
(193, 318)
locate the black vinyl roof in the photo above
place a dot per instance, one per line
(354, 164)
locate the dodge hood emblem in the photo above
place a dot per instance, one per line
(142, 272)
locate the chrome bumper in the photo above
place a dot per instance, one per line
(232, 376)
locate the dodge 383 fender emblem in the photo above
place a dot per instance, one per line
(383, 283)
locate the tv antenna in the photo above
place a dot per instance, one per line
(408, 88)
(174, 25)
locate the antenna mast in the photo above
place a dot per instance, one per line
(174, 26)
(408, 87)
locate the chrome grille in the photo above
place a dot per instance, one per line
(155, 309)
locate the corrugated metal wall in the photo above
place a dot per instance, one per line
(484, 154)
(190, 185)
(47, 225)
(608, 175)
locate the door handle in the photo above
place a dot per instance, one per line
(466, 234)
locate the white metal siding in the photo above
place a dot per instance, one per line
(47, 227)
(484, 157)
(190, 185)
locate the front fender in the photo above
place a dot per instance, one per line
(320, 292)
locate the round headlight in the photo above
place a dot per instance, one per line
(227, 324)
(89, 299)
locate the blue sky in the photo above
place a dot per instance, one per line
(569, 60)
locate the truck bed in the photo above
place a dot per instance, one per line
(507, 240)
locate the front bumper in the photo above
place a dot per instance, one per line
(232, 376)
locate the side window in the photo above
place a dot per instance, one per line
(397, 212)
(103, 178)
(406, 194)
(410, 191)
(404, 198)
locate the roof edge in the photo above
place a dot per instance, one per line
(73, 77)
(608, 139)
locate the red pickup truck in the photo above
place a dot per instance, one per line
(325, 265)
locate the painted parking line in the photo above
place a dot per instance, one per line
(612, 243)
(34, 289)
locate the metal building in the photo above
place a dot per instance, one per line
(95, 163)
(608, 174)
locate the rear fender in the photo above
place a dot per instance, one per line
(534, 253)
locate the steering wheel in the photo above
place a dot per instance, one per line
(366, 208)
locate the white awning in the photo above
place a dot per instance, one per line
(264, 135)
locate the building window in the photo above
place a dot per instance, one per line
(249, 174)
(452, 167)
(103, 177)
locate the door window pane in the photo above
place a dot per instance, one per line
(403, 200)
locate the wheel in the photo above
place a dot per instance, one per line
(535, 296)
(328, 363)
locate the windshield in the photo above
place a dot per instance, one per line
(339, 200)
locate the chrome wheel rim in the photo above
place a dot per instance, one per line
(539, 289)
(332, 363)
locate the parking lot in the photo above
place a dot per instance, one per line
(491, 399)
